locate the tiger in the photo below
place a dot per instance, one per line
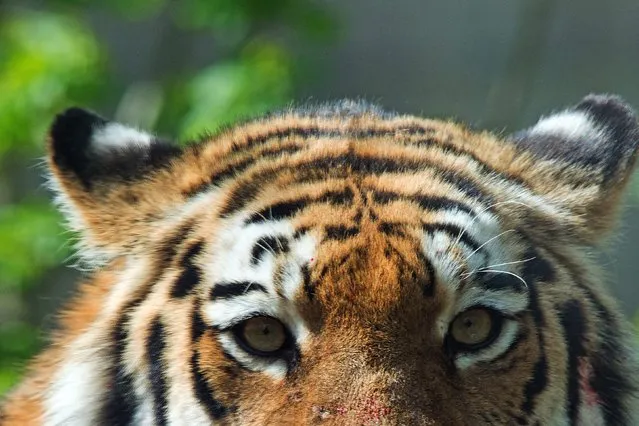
(339, 264)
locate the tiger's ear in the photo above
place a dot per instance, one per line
(99, 170)
(583, 157)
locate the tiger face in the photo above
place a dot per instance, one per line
(340, 265)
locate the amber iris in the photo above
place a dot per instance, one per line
(473, 327)
(264, 334)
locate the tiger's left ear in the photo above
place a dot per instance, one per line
(105, 176)
(583, 157)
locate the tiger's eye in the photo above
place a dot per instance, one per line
(264, 334)
(472, 327)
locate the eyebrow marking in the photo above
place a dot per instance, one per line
(227, 290)
(426, 202)
(502, 280)
(391, 228)
(289, 208)
(269, 244)
(454, 231)
(340, 232)
(191, 274)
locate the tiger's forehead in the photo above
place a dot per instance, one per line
(353, 248)
(356, 214)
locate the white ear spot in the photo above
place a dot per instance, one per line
(116, 135)
(569, 125)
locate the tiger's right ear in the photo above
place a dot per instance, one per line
(99, 170)
(86, 148)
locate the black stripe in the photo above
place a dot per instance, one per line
(539, 379)
(454, 231)
(340, 232)
(226, 290)
(459, 152)
(309, 288)
(572, 321)
(390, 228)
(538, 269)
(496, 281)
(319, 132)
(191, 274)
(169, 249)
(304, 132)
(278, 211)
(426, 202)
(155, 346)
(271, 244)
(287, 209)
(537, 382)
(301, 231)
(612, 379)
(198, 326)
(429, 287)
(204, 393)
(121, 402)
(342, 166)
(234, 168)
(201, 389)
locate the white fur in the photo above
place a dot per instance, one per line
(502, 300)
(569, 125)
(231, 261)
(116, 135)
(78, 387)
(75, 395)
(89, 255)
(302, 251)
(437, 245)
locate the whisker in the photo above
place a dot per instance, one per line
(262, 216)
(266, 249)
(480, 247)
(499, 264)
(497, 271)
(249, 286)
(488, 242)
(463, 231)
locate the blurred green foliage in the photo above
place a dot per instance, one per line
(50, 59)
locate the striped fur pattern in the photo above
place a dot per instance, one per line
(365, 234)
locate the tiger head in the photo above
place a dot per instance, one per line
(342, 265)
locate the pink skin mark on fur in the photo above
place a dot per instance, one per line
(585, 372)
(372, 411)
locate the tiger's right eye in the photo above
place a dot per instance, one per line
(262, 335)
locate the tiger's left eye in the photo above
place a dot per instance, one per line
(474, 329)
